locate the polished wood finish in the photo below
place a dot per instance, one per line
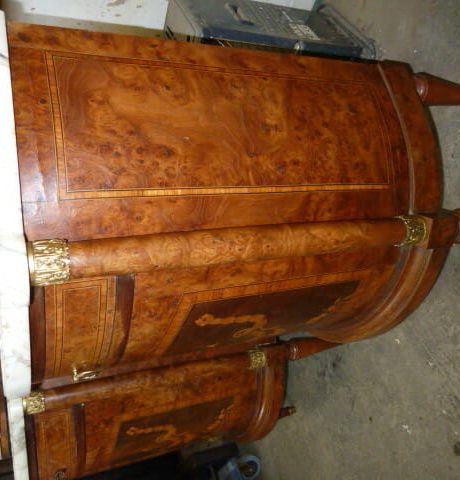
(287, 412)
(129, 255)
(304, 347)
(123, 154)
(110, 422)
(423, 184)
(200, 312)
(123, 313)
(89, 96)
(213, 199)
(31, 439)
(83, 325)
(37, 323)
(436, 91)
(457, 214)
(442, 229)
(115, 421)
(105, 191)
(5, 452)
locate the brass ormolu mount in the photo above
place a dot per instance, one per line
(34, 403)
(257, 359)
(49, 262)
(416, 230)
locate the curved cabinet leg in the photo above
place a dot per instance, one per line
(436, 91)
(457, 238)
(299, 348)
(287, 411)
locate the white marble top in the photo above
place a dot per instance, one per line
(14, 275)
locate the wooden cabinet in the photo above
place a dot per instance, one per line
(185, 204)
(105, 423)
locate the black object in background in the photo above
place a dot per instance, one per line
(159, 468)
(6, 469)
(204, 464)
(195, 465)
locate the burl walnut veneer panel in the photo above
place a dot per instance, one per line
(259, 133)
(132, 137)
(122, 136)
(140, 136)
(106, 423)
(81, 325)
(119, 322)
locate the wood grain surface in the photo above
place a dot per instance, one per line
(110, 422)
(201, 190)
(272, 133)
(245, 304)
(81, 325)
(436, 91)
(124, 138)
(131, 255)
(178, 138)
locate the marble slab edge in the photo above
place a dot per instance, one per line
(14, 275)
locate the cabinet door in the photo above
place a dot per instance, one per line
(111, 422)
(122, 135)
(114, 324)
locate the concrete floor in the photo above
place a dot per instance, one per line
(388, 408)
